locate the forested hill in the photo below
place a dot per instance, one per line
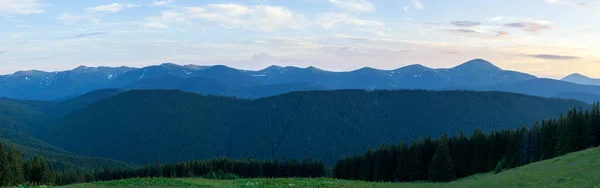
(141, 126)
(58, 158)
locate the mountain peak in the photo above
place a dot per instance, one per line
(272, 67)
(313, 68)
(576, 75)
(477, 64)
(169, 65)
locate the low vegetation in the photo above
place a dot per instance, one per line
(579, 169)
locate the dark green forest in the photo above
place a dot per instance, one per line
(18, 170)
(175, 126)
(458, 156)
(31, 147)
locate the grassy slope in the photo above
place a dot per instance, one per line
(575, 170)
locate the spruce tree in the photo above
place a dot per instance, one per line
(15, 169)
(4, 166)
(479, 149)
(461, 155)
(595, 125)
(442, 169)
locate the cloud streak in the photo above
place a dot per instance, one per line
(162, 3)
(83, 35)
(531, 27)
(502, 34)
(231, 16)
(465, 23)
(3, 52)
(115, 7)
(462, 31)
(553, 57)
(20, 7)
(354, 5)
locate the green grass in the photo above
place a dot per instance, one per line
(581, 169)
(143, 182)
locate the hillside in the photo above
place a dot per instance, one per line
(22, 115)
(64, 108)
(175, 126)
(574, 170)
(60, 159)
(207, 86)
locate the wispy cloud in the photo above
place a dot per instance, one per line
(115, 7)
(417, 4)
(465, 23)
(553, 57)
(529, 26)
(162, 3)
(502, 34)
(20, 7)
(414, 4)
(82, 35)
(462, 30)
(3, 52)
(68, 18)
(354, 5)
(255, 18)
(329, 20)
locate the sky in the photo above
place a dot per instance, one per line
(547, 38)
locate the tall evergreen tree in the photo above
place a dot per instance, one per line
(402, 157)
(461, 155)
(595, 125)
(4, 166)
(534, 143)
(479, 148)
(15, 169)
(442, 169)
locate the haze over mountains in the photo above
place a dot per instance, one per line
(476, 74)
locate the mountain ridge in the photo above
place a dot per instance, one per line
(476, 74)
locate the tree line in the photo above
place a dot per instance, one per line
(16, 170)
(458, 156)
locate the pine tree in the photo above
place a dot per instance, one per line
(159, 170)
(401, 154)
(479, 148)
(525, 154)
(4, 166)
(595, 125)
(442, 169)
(415, 161)
(461, 155)
(534, 143)
(15, 169)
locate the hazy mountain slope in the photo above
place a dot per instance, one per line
(545, 87)
(17, 115)
(581, 79)
(173, 125)
(585, 97)
(41, 85)
(207, 86)
(59, 158)
(69, 106)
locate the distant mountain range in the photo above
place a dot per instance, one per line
(581, 79)
(476, 74)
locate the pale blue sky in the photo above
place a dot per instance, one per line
(549, 38)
